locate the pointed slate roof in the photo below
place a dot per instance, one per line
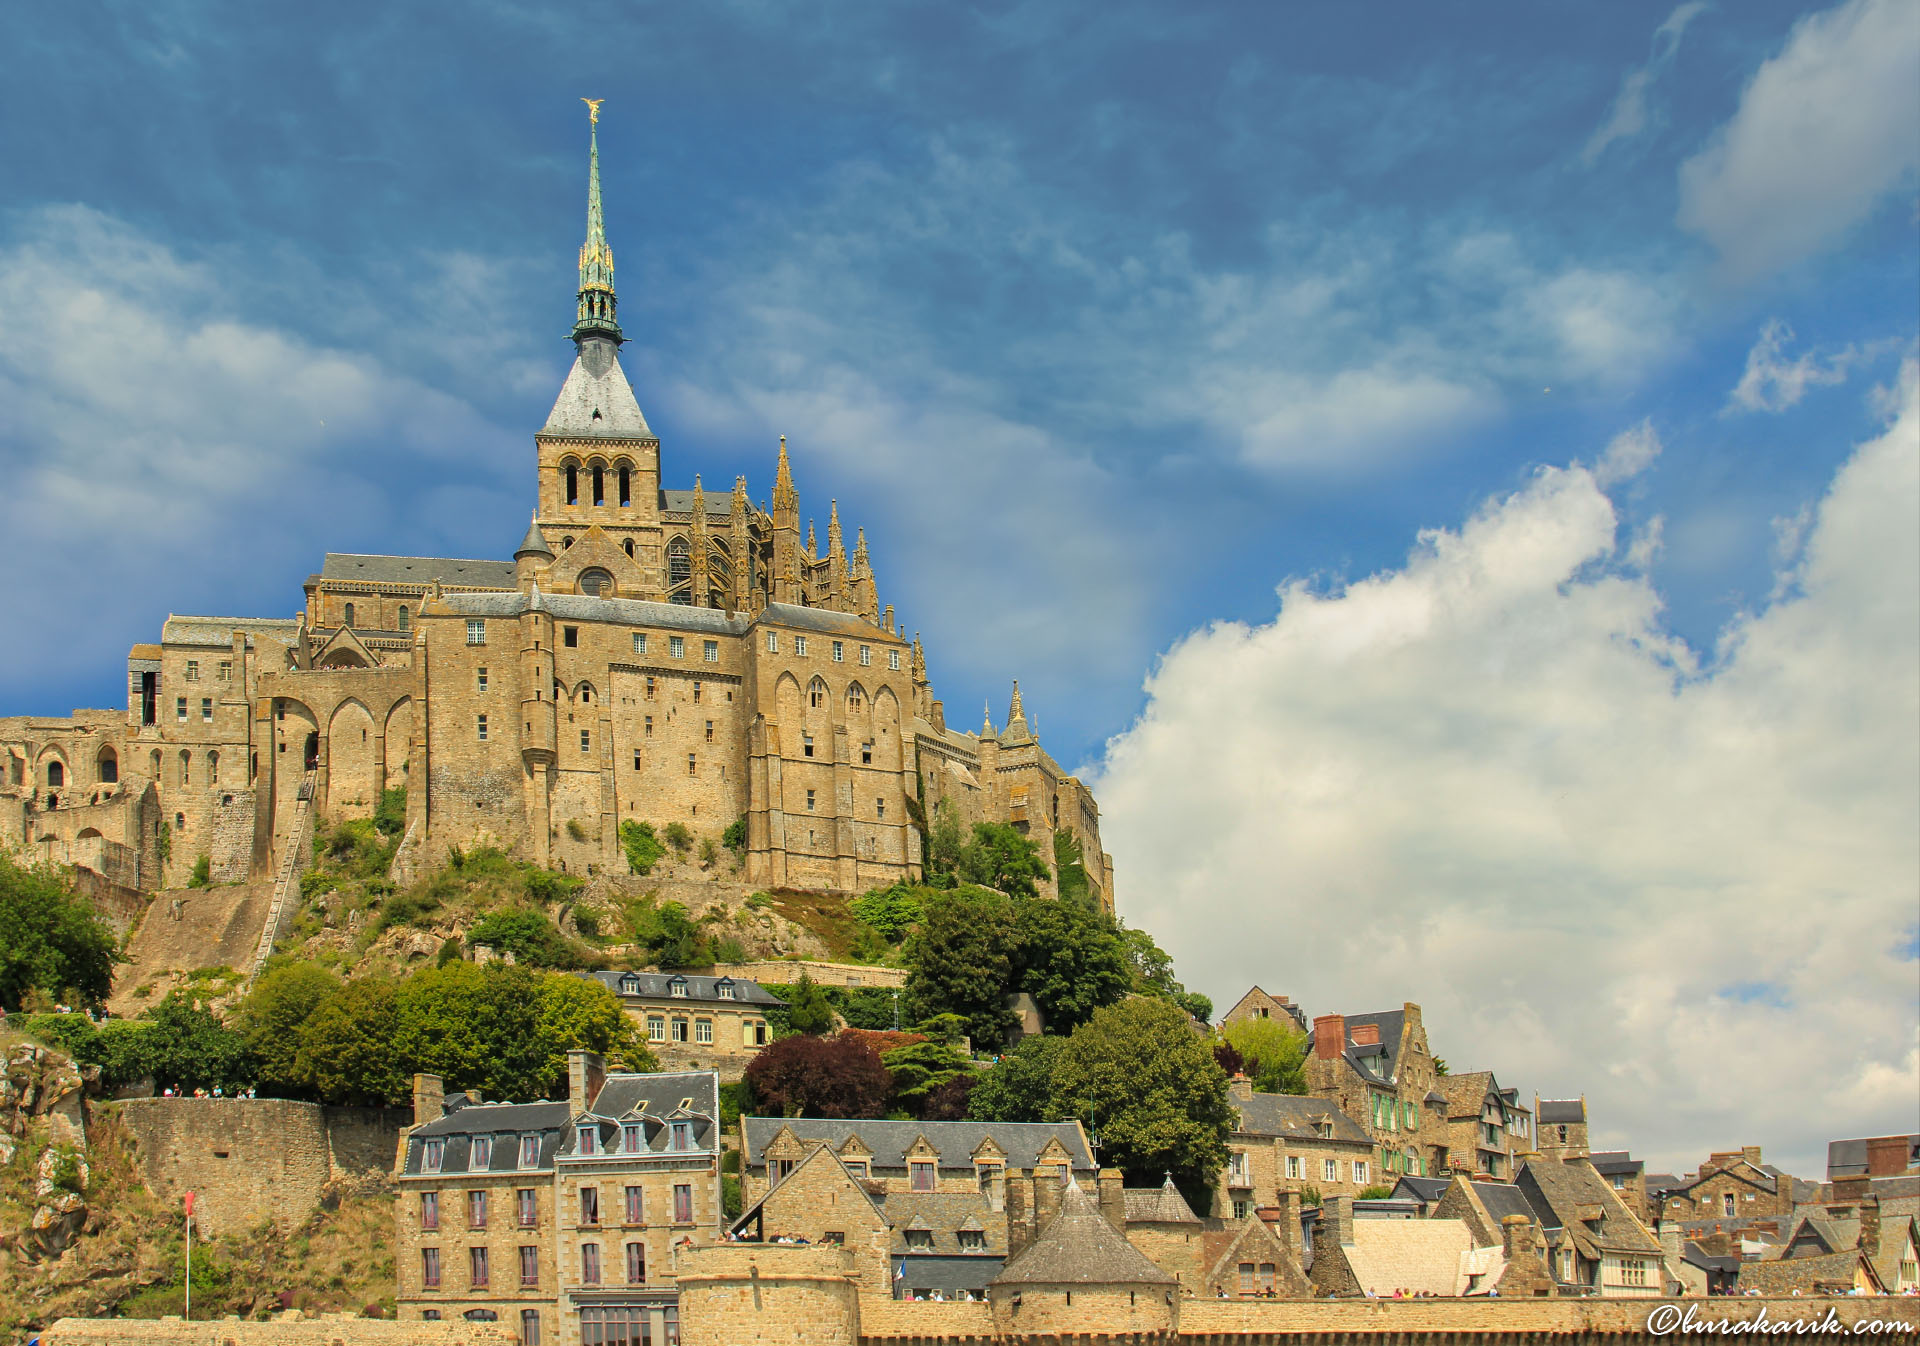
(596, 401)
(533, 544)
(1079, 1247)
(1158, 1205)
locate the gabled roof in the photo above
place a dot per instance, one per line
(1079, 1247)
(1296, 1116)
(1610, 1162)
(211, 631)
(1255, 1241)
(823, 619)
(1563, 1111)
(943, 1216)
(889, 1141)
(719, 504)
(505, 1122)
(1417, 1255)
(1158, 1205)
(596, 401)
(417, 570)
(658, 986)
(1561, 1193)
(1382, 1061)
(1428, 1190)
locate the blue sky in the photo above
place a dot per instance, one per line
(1106, 320)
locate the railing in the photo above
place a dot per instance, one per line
(286, 879)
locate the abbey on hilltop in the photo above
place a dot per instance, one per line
(648, 654)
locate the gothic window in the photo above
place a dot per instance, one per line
(403, 618)
(679, 570)
(213, 768)
(349, 620)
(57, 773)
(573, 484)
(186, 767)
(585, 693)
(628, 544)
(597, 583)
(109, 766)
(626, 493)
(856, 698)
(599, 485)
(816, 693)
(566, 543)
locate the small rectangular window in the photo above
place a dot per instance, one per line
(799, 644)
(481, 1156)
(866, 654)
(529, 1152)
(773, 642)
(477, 1210)
(639, 642)
(920, 1176)
(180, 709)
(703, 1030)
(648, 732)
(529, 1275)
(193, 670)
(225, 672)
(586, 739)
(590, 1264)
(430, 1268)
(431, 1152)
(206, 710)
(1331, 1169)
(683, 1204)
(589, 1201)
(1360, 1171)
(677, 646)
(526, 1205)
(476, 631)
(806, 745)
(696, 691)
(589, 1140)
(636, 1205)
(711, 653)
(839, 652)
(809, 800)
(650, 689)
(636, 1264)
(656, 1028)
(570, 636)
(480, 726)
(693, 765)
(636, 759)
(679, 1030)
(866, 754)
(893, 660)
(630, 1139)
(879, 807)
(429, 1210)
(480, 676)
(709, 731)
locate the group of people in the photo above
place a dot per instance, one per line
(171, 1092)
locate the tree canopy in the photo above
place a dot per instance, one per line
(1019, 1086)
(960, 960)
(1272, 1051)
(1070, 961)
(809, 1076)
(51, 939)
(808, 1009)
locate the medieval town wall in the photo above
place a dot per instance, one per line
(290, 1329)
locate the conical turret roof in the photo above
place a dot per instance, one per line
(1079, 1247)
(533, 544)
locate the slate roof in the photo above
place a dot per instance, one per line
(1610, 1162)
(585, 608)
(178, 630)
(1848, 1158)
(417, 570)
(1562, 1110)
(1659, 1184)
(943, 1215)
(1417, 1255)
(596, 401)
(1428, 1190)
(1466, 1094)
(700, 989)
(824, 619)
(506, 1122)
(1296, 1116)
(1379, 1061)
(1808, 1275)
(1079, 1247)
(719, 503)
(1158, 1205)
(1692, 1252)
(1556, 1191)
(889, 1141)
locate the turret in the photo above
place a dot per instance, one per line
(532, 553)
(836, 560)
(700, 595)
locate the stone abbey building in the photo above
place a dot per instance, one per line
(667, 655)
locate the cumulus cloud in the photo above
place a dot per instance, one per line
(147, 426)
(1823, 132)
(1493, 782)
(1630, 113)
(1771, 382)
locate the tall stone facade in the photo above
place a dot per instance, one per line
(655, 654)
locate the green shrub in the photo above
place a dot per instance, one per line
(709, 853)
(730, 1196)
(727, 949)
(1374, 1193)
(391, 816)
(735, 837)
(891, 911)
(546, 887)
(317, 883)
(760, 901)
(529, 934)
(643, 848)
(575, 830)
(678, 837)
(202, 872)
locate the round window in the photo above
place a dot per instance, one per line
(596, 582)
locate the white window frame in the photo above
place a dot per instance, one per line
(839, 652)
(893, 660)
(1296, 1167)
(1360, 1172)
(710, 652)
(639, 642)
(866, 656)
(476, 631)
(800, 645)
(1330, 1170)
(773, 642)
(677, 647)
(480, 728)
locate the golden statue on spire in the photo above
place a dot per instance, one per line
(593, 109)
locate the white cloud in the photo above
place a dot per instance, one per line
(1772, 382)
(1629, 115)
(1492, 782)
(1824, 130)
(1631, 453)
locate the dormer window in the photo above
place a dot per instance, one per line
(682, 1136)
(589, 1139)
(482, 1157)
(632, 1138)
(677, 987)
(529, 1152)
(432, 1152)
(630, 985)
(723, 988)
(920, 1239)
(920, 1176)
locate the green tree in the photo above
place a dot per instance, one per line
(1070, 864)
(678, 836)
(50, 938)
(188, 1049)
(391, 815)
(998, 856)
(1139, 1073)
(808, 1009)
(1275, 1053)
(581, 1012)
(919, 1069)
(891, 911)
(273, 1016)
(643, 848)
(960, 960)
(1019, 1086)
(806, 1076)
(735, 837)
(1069, 961)
(347, 1052)
(530, 934)
(946, 841)
(202, 874)
(475, 1027)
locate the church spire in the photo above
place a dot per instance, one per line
(784, 496)
(594, 316)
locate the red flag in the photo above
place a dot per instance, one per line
(189, 1205)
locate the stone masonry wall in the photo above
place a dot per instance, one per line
(291, 1329)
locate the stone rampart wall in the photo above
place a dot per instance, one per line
(288, 1330)
(784, 972)
(249, 1160)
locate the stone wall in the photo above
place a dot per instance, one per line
(755, 1294)
(253, 1160)
(784, 972)
(289, 1329)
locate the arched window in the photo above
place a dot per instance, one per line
(213, 768)
(679, 570)
(628, 544)
(56, 772)
(155, 770)
(565, 543)
(349, 620)
(596, 582)
(817, 693)
(599, 485)
(585, 693)
(573, 484)
(626, 491)
(109, 766)
(403, 618)
(186, 767)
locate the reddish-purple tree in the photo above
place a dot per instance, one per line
(807, 1076)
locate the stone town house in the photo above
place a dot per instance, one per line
(1282, 1143)
(1378, 1069)
(648, 653)
(695, 1022)
(1488, 1128)
(1735, 1184)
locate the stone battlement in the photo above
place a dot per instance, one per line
(290, 1329)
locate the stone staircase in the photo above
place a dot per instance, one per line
(286, 879)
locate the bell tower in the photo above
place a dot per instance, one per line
(599, 462)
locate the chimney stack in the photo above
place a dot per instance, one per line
(1288, 1225)
(586, 1072)
(1783, 1192)
(1336, 1217)
(1019, 1211)
(1240, 1086)
(1329, 1036)
(1751, 1153)
(1870, 1225)
(1113, 1199)
(429, 1099)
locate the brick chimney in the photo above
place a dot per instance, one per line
(1851, 1189)
(1113, 1199)
(1783, 1192)
(1366, 1035)
(1046, 1197)
(1517, 1237)
(429, 1099)
(586, 1072)
(1887, 1156)
(1019, 1210)
(1329, 1035)
(1287, 1225)
(1240, 1086)
(1336, 1218)
(1751, 1153)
